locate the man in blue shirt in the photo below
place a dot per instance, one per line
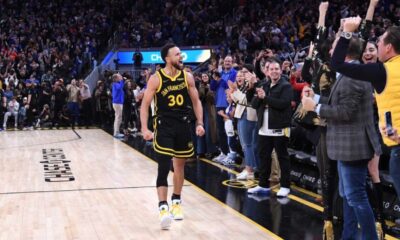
(219, 84)
(118, 102)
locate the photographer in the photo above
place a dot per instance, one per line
(260, 61)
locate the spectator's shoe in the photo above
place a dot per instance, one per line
(219, 158)
(242, 175)
(245, 175)
(283, 201)
(327, 232)
(228, 160)
(283, 192)
(165, 217)
(119, 136)
(250, 176)
(379, 231)
(259, 198)
(176, 210)
(134, 130)
(258, 190)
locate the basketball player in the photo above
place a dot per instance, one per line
(175, 97)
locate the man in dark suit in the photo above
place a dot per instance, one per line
(352, 141)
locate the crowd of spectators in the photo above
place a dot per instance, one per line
(43, 58)
(43, 46)
(39, 55)
(240, 28)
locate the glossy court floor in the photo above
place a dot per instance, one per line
(98, 187)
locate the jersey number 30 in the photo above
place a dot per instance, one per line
(175, 100)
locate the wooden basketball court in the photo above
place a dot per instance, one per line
(84, 184)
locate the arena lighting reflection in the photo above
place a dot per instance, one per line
(154, 57)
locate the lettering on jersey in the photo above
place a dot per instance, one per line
(169, 89)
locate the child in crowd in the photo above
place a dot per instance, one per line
(230, 132)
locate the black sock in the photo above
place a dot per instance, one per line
(175, 197)
(162, 203)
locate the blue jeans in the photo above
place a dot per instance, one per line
(356, 207)
(394, 167)
(248, 139)
(73, 107)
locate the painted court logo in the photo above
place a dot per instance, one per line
(243, 184)
(56, 166)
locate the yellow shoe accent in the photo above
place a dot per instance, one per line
(176, 211)
(379, 231)
(327, 233)
(165, 218)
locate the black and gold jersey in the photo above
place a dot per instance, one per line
(172, 96)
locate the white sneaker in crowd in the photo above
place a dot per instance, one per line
(283, 201)
(119, 135)
(242, 175)
(228, 160)
(219, 158)
(245, 175)
(259, 198)
(258, 190)
(283, 192)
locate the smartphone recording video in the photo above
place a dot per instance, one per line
(388, 122)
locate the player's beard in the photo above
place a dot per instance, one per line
(178, 65)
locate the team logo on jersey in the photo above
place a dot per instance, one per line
(190, 144)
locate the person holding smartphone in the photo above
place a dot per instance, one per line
(385, 78)
(391, 134)
(352, 141)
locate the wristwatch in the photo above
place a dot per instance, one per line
(346, 35)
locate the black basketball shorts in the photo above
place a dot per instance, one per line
(172, 137)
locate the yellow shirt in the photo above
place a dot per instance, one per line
(389, 98)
